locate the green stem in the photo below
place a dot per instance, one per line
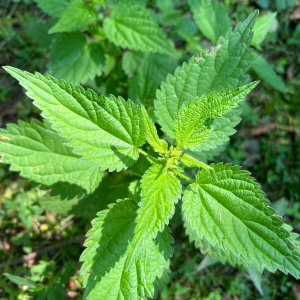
(184, 177)
(155, 160)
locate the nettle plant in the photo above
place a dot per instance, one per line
(85, 135)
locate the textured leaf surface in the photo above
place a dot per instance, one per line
(261, 29)
(234, 214)
(39, 153)
(108, 246)
(151, 69)
(73, 60)
(158, 145)
(54, 8)
(105, 131)
(214, 252)
(222, 68)
(193, 124)
(77, 16)
(160, 192)
(211, 18)
(132, 26)
(266, 72)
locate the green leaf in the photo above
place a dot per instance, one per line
(104, 131)
(161, 190)
(214, 251)
(40, 154)
(97, 54)
(131, 60)
(153, 69)
(110, 238)
(132, 26)
(261, 29)
(189, 161)
(73, 60)
(19, 280)
(54, 8)
(234, 214)
(222, 68)
(158, 145)
(211, 18)
(266, 72)
(78, 15)
(193, 124)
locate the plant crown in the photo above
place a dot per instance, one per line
(84, 136)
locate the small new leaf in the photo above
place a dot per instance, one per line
(158, 145)
(40, 154)
(132, 26)
(108, 246)
(226, 65)
(190, 161)
(77, 16)
(107, 132)
(234, 214)
(192, 127)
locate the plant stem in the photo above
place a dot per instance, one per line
(155, 160)
(184, 177)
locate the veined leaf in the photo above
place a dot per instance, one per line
(214, 252)
(152, 70)
(54, 8)
(131, 60)
(132, 26)
(266, 72)
(261, 29)
(108, 246)
(158, 145)
(161, 190)
(222, 68)
(211, 18)
(234, 214)
(40, 154)
(78, 15)
(73, 60)
(105, 131)
(192, 126)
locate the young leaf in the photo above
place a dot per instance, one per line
(234, 214)
(40, 154)
(73, 60)
(132, 26)
(211, 18)
(78, 15)
(261, 28)
(222, 68)
(158, 145)
(266, 72)
(107, 132)
(161, 190)
(189, 161)
(108, 246)
(19, 280)
(54, 8)
(192, 126)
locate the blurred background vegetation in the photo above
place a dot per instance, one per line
(41, 239)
